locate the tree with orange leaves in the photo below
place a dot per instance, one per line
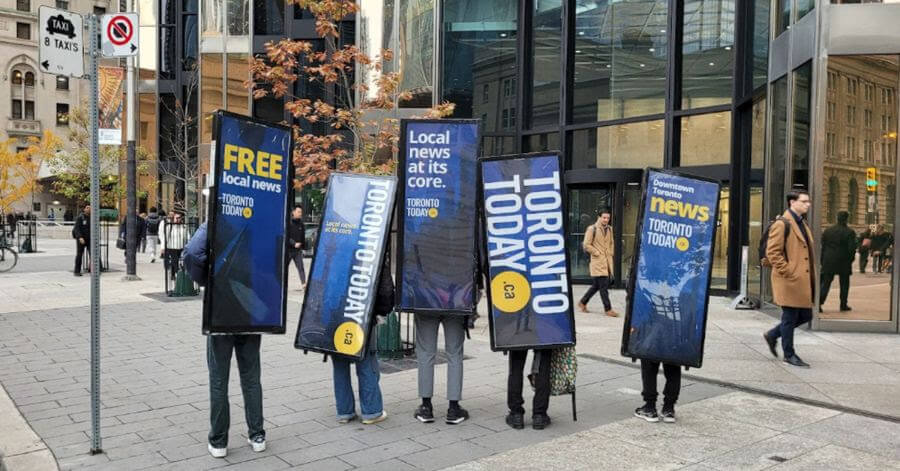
(357, 135)
(19, 169)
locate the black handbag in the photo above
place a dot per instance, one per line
(120, 243)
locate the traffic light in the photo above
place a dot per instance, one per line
(871, 179)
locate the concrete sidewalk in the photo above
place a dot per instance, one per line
(849, 370)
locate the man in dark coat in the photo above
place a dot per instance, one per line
(296, 243)
(838, 250)
(865, 244)
(82, 234)
(881, 243)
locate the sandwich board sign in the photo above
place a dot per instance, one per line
(61, 36)
(119, 35)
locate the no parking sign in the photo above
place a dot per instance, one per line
(119, 35)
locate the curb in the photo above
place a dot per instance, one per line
(758, 391)
(20, 447)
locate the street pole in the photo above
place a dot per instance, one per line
(95, 239)
(131, 231)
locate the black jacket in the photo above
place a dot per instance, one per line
(296, 233)
(82, 229)
(838, 250)
(152, 224)
(384, 297)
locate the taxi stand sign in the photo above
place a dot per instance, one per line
(61, 36)
(119, 35)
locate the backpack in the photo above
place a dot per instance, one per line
(593, 230)
(153, 221)
(764, 241)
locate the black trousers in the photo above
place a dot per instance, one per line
(79, 254)
(649, 370)
(514, 399)
(173, 258)
(601, 284)
(863, 260)
(825, 285)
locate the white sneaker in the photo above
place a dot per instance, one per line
(258, 444)
(375, 420)
(216, 452)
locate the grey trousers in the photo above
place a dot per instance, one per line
(426, 349)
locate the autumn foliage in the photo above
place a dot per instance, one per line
(19, 169)
(356, 135)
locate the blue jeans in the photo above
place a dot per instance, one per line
(370, 402)
(791, 318)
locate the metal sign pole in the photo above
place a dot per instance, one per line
(95, 240)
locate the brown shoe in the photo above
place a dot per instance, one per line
(612, 313)
(582, 307)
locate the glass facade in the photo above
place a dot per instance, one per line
(633, 145)
(706, 139)
(546, 42)
(708, 53)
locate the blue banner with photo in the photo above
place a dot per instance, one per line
(336, 315)
(529, 294)
(248, 222)
(436, 265)
(669, 292)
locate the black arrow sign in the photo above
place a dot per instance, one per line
(133, 47)
(46, 64)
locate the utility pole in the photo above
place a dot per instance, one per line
(131, 231)
(95, 239)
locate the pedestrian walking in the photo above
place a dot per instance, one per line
(219, 349)
(81, 232)
(296, 243)
(426, 351)
(838, 249)
(789, 250)
(882, 241)
(174, 237)
(514, 400)
(865, 244)
(153, 222)
(649, 374)
(142, 235)
(599, 243)
(371, 402)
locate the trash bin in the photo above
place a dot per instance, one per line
(389, 346)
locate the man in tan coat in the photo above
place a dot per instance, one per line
(793, 274)
(599, 242)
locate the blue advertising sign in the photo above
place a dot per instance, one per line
(336, 315)
(247, 281)
(436, 265)
(530, 295)
(669, 289)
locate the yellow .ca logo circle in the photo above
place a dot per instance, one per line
(682, 244)
(432, 213)
(510, 291)
(247, 212)
(349, 338)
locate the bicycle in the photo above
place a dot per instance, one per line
(8, 255)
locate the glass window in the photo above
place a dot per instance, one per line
(800, 146)
(167, 53)
(268, 16)
(545, 76)
(620, 59)
(498, 145)
(479, 48)
(238, 17)
(719, 279)
(804, 7)
(758, 136)
(62, 114)
(62, 83)
(782, 16)
(99, 10)
(62, 4)
(23, 5)
(632, 145)
(269, 108)
(23, 30)
(541, 142)
(29, 79)
(29, 109)
(706, 139)
(760, 42)
(238, 98)
(213, 18)
(414, 51)
(211, 95)
(708, 56)
(17, 77)
(778, 154)
(17, 109)
(147, 114)
(189, 44)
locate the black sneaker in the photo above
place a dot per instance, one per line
(515, 420)
(424, 414)
(540, 421)
(668, 414)
(647, 412)
(457, 415)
